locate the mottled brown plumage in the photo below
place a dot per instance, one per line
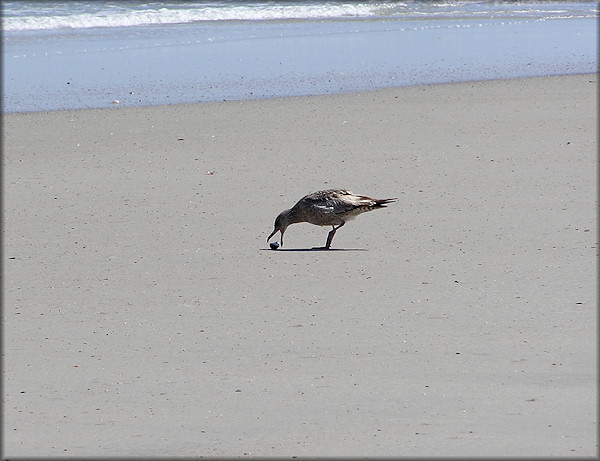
(331, 207)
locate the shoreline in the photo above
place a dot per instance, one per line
(145, 314)
(275, 98)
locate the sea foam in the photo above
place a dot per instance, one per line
(46, 15)
(125, 17)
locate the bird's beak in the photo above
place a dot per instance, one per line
(282, 230)
(272, 234)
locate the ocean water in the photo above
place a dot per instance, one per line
(84, 54)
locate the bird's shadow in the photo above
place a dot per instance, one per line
(314, 249)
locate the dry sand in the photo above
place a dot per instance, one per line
(145, 315)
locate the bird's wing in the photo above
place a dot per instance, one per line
(343, 205)
(337, 201)
(322, 202)
(346, 202)
(327, 194)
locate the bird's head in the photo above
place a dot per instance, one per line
(281, 224)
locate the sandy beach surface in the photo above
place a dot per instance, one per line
(144, 314)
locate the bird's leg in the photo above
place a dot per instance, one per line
(330, 238)
(331, 234)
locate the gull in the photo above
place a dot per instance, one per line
(331, 207)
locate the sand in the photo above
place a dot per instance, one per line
(145, 315)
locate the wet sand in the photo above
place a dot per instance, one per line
(145, 315)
